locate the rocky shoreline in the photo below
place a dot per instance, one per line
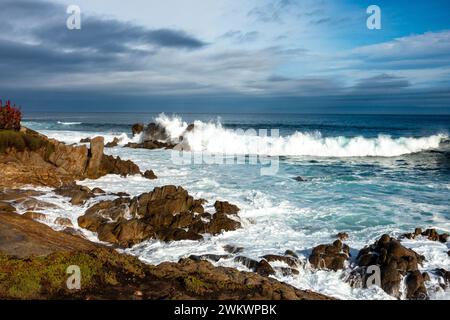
(166, 213)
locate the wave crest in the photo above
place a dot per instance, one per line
(212, 137)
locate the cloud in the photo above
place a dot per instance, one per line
(111, 58)
(428, 50)
(240, 37)
(382, 82)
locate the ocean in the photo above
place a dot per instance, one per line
(364, 174)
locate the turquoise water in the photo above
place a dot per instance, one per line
(366, 175)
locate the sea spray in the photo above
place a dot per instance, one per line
(212, 137)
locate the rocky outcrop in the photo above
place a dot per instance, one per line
(154, 136)
(167, 213)
(113, 143)
(137, 128)
(78, 194)
(330, 256)
(35, 159)
(22, 237)
(395, 262)
(34, 259)
(430, 234)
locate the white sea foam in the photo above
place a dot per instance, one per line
(74, 137)
(69, 123)
(214, 138)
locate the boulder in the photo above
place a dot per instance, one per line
(342, 236)
(111, 165)
(261, 267)
(113, 143)
(289, 260)
(415, 286)
(300, 179)
(330, 256)
(225, 207)
(149, 174)
(137, 128)
(395, 261)
(78, 194)
(233, 249)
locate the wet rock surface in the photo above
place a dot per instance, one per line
(430, 234)
(167, 213)
(330, 256)
(395, 261)
(34, 259)
(149, 174)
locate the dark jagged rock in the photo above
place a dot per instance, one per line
(113, 143)
(330, 256)
(225, 207)
(85, 140)
(233, 249)
(289, 260)
(111, 165)
(300, 179)
(291, 253)
(78, 194)
(261, 267)
(153, 144)
(445, 277)
(211, 257)
(167, 213)
(98, 191)
(149, 174)
(394, 261)
(342, 236)
(415, 286)
(137, 128)
(431, 234)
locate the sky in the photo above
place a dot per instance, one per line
(299, 56)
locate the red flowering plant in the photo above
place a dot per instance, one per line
(10, 116)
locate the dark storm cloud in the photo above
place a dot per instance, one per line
(114, 35)
(36, 44)
(382, 82)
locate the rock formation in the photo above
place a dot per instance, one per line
(167, 213)
(395, 262)
(34, 159)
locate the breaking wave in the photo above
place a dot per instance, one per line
(214, 138)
